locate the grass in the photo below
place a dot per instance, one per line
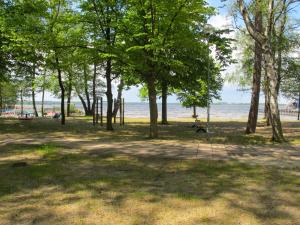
(80, 174)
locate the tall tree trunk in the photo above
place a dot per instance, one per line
(267, 98)
(267, 108)
(279, 68)
(269, 56)
(299, 106)
(22, 103)
(164, 98)
(34, 104)
(273, 95)
(253, 113)
(109, 96)
(89, 111)
(153, 107)
(69, 98)
(1, 99)
(43, 94)
(118, 100)
(94, 94)
(33, 92)
(83, 104)
(194, 112)
(62, 92)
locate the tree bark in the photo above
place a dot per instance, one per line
(43, 94)
(267, 108)
(83, 104)
(62, 91)
(269, 56)
(34, 104)
(273, 96)
(1, 99)
(164, 98)
(299, 106)
(194, 112)
(279, 68)
(69, 98)
(119, 97)
(94, 94)
(267, 101)
(22, 104)
(153, 107)
(33, 92)
(253, 113)
(109, 96)
(89, 111)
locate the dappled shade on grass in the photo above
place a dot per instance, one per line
(65, 183)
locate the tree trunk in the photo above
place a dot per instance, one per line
(34, 104)
(153, 107)
(83, 104)
(22, 104)
(119, 97)
(253, 113)
(279, 68)
(266, 41)
(33, 93)
(69, 98)
(94, 94)
(164, 98)
(273, 95)
(1, 99)
(109, 96)
(43, 95)
(299, 106)
(89, 111)
(194, 112)
(267, 108)
(62, 90)
(267, 98)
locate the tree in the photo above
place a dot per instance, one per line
(119, 97)
(151, 28)
(104, 18)
(8, 94)
(290, 87)
(266, 42)
(257, 72)
(61, 37)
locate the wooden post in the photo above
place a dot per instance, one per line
(123, 116)
(115, 116)
(101, 111)
(97, 111)
(121, 112)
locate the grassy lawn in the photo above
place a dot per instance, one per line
(80, 174)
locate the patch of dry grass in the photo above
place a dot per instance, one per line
(79, 174)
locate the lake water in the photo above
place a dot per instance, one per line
(175, 110)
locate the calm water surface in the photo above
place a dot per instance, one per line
(175, 110)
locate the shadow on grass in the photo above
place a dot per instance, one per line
(137, 177)
(228, 132)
